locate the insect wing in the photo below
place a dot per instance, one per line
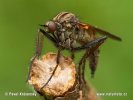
(100, 31)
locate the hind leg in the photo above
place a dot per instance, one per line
(91, 46)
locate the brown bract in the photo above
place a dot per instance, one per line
(63, 79)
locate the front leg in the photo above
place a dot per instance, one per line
(54, 40)
(39, 45)
(57, 63)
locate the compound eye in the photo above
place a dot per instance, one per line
(52, 26)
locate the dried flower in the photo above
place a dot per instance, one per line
(63, 79)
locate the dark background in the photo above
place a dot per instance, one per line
(19, 22)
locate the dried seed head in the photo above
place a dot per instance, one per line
(63, 79)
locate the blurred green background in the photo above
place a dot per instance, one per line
(19, 22)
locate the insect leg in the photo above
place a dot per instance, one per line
(94, 43)
(90, 44)
(93, 60)
(57, 61)
(72, 54)
(48, 36)
(83, 65)
(83, 70)
(39, 45)
(79, 70)
(82, 61)
(93, 56)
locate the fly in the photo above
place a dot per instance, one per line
(67, 32)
